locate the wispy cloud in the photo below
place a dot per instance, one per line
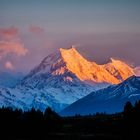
(8, 47)
(9, 32)
(9, 65)
(36, 29)
(137, 71)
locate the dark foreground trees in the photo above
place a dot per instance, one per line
(131, 120)
(34, 124)
(31, 124)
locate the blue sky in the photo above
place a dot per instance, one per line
(73, 15)
(101, 28)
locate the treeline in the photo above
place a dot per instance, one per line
(131, 119)
(31, 124)
(34, 124)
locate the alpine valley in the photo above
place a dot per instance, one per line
(64, 77)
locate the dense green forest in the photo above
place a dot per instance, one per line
(34, 124)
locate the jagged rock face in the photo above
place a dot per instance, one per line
(70, 61)
(61, 79)
(85, 70)
(119, 69)
(113, 72)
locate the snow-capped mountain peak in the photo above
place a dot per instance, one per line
(71, 60)
(114, 72)
(119, 69)
(110, 100)
(132, 81)
(61, 79)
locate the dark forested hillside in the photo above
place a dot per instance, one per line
(15, 124)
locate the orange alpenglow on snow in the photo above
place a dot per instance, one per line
(119, 69)
(113, 72)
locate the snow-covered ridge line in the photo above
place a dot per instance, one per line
(110, 100)
(61, 79)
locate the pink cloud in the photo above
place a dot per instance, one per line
(9, 65)
(9, 32)
(8, 47)
(35, 29)
(137, 70)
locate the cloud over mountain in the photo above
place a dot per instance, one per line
(35, 29)
(137, 71)
(9, 65)
(8, 47)
(9, 32)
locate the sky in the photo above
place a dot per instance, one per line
(101, 29)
